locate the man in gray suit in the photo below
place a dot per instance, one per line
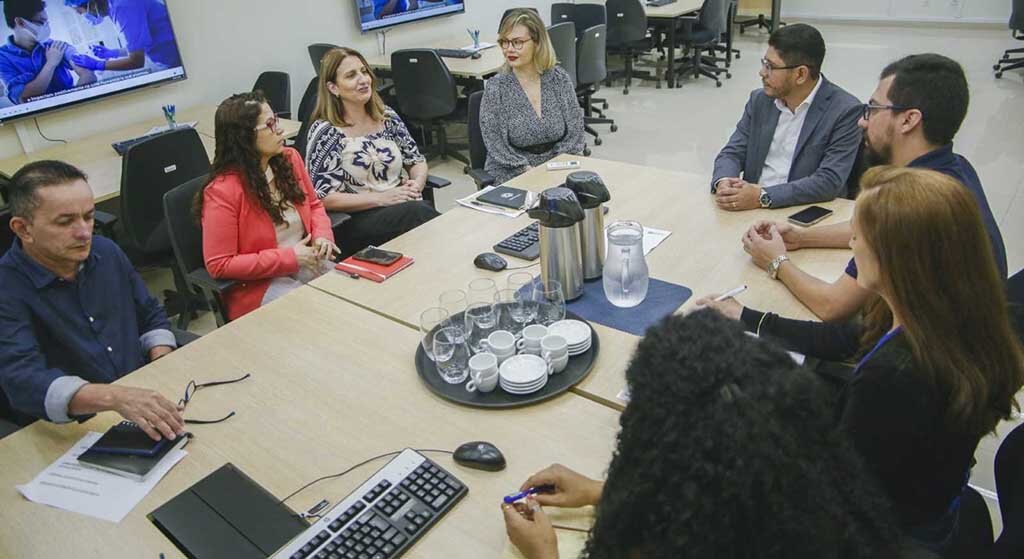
(798, 138)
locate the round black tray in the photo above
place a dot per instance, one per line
(578, 368)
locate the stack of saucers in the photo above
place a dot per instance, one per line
(576, 334)
(523, 374)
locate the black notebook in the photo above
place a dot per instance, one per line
(505, 197)
(118, 452)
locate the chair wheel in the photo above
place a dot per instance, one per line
(657, 85)
(465, 170)
(598, 141)
(718, 84)
(624, 92)
(1006, 57)
(586, 152)
(728, 76)
(738, 56)
(604, 105)
(615, 128)
(999, 75)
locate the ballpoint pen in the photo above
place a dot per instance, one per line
(730, 293)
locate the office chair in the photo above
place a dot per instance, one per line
(427, 97)
(477, 147)
(563, 41)
(277, 88)
(590, 72)
(702, 36)
(628, 36)
(6, 235)
(317, 52)
(149, 170)
(187, 242)
(725, 44)
(1015, 288)
(760, 21)
(973, 537)
(1009, 470)
(306, 107)
(586, 16)
(562, 12)
(1017, 26)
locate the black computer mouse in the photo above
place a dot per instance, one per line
(475, 55)
(480, 455)
(490, 261)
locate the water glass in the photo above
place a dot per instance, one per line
(518, 280)
(430, 320)
(481, 290)
(518, 309)
(481, 320)
(550, 302)
(454, 302)
(451, 354)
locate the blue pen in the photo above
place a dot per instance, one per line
(509, 499)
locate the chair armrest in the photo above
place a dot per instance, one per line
(203, 279)
(337, 218)
(104, 219)
(481, 178)
(437, 182)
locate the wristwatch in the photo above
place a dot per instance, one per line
(773, 266)
(766, 200)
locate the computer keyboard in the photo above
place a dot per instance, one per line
(385, 516)
(524, 243)
(454, 53)
(122, 147)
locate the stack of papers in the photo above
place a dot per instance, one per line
(71, 486)
(472, 203)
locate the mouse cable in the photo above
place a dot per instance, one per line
(363, 463)
(522, 267)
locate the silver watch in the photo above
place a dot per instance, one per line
(773, 266)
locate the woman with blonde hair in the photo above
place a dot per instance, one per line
(361, 158)
(529, 112)
(938, 361)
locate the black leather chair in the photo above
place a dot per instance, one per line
(277, 88)
(590, 72)
(1017, 28)
(973, 538)
(6, 235)
(563, 41)
(477, 148)
(1009, 470)
(149, 170)
(703, 36)
(187, 241)
(562, 12)
(427, 97)
(317, 52)
(306, 107)
(628, 36)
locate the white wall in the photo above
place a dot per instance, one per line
(967, 11)
(226, 44)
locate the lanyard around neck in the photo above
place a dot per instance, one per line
(885, 339)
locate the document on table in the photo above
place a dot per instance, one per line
(68, 485)
(652, 238)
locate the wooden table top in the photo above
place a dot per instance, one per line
(490, 62)
(704, 253)
(103, 165)
(331, 385)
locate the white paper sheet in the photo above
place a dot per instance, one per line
(471, 203)
(68, 485)
(652, 238)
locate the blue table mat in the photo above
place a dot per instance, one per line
(663, 298)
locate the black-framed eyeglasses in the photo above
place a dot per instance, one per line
(869, 107)
(769, 67)
(516, 44)
(192, 387)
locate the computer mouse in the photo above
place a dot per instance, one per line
(490, 261)
(475, 55)
(480, 455)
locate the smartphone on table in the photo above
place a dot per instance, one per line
(376, 255)
(809, 216)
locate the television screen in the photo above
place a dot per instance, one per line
(375, 14)
(58, 53)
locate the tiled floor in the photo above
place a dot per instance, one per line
(684, 128)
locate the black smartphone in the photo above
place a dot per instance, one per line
(376, 255)
(809, 216)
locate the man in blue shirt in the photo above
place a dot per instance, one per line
(74, 316)
(147, 31)
(32, 64)
(911, 119)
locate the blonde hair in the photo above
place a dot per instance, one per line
(544, 57)
(328, 106)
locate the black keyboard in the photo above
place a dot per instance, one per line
(122, 147)
(454, 53)
(524, 243)
(385, 516)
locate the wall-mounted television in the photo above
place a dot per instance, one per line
(59, 53)
(375, 14)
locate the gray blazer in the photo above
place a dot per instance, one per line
(825, 151)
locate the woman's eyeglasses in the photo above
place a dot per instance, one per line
(273, 123)
(514, 44)
(190, 390)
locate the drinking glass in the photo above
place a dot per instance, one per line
(518, 309)
(431, 319)
(481, 320)
(550, 302)
(451, 354)
(454, 302)
(481, 290)
(517, 280)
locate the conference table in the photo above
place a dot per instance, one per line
(490, 62)
(670, 16)
(103, 165)
(703, 253)
(332, 385)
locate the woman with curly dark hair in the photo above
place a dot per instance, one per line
(263, 224)
(727, 450)
(939, 363)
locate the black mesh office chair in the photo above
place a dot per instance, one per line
(563, 41)
(277, 88)
(1017, 28)
(187, 241)
(590, 72)
(701, 36)
(306, 107)
(317, 52)
(149, 170)
(628, 37)
(426, 95)
(477, 147)
(1009, 470)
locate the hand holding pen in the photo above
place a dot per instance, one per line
(558, 486)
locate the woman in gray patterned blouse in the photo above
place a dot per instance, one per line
(529, 112)
(357, 151)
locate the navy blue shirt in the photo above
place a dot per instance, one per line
(58, 335)
(955, 165)
(18, 67)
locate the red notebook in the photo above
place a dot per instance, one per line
(371, 271)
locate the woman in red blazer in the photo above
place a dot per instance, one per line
(263, 224)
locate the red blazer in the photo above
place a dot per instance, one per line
(240, 242)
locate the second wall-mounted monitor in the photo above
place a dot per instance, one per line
(376, 14)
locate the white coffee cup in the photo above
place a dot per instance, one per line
(501, 343)
(483, 372)
(531, 337)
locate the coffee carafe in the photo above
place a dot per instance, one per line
(592, 193)
(558, 212)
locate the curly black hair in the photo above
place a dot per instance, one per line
(730, 450)
(234, 126)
